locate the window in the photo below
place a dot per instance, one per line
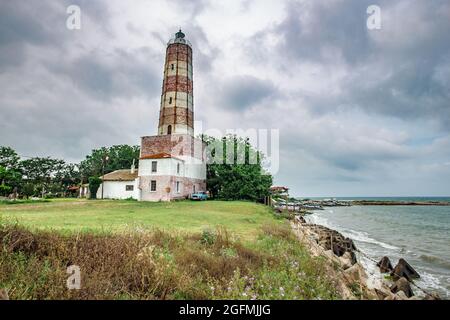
(172, 66)
(170, 100)
(153, 185)
(169, 129)
(178, 168)
(194, 188)
(178, 186)
(129, 187)
(154, 166)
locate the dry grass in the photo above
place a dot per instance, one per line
(158, 265)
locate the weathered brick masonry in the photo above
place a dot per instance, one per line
(175, 145)
(177, 112)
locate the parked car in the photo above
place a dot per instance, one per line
(201, 195)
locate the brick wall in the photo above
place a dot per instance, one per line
(175, 145)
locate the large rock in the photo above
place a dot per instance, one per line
(385, 265)
(383, 292)
(355, 274)
(4, 294)
(403, 269)
(432, 296)
(402, 285)
(300, 219)
(401, 296)
(347, 260)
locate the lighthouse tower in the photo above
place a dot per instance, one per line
(172, 163)
(177, 101)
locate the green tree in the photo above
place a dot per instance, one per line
(94, 184)
(9, 158)
(119, 157)
(28, 189)
(9, 180)
(43, 173)
(234, 170)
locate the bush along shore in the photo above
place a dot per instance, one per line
(160, 265)
(351, 277)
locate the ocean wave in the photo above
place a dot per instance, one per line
(430, 281)
(364, 237)
(353, 234)
(435, 260)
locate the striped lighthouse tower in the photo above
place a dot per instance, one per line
(172, 163)
(177, 101)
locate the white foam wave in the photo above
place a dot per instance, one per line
(430, 281)
(364, 237)
(353, 234)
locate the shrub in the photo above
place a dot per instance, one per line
(4, 189)
(208, 237)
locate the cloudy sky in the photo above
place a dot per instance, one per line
(359, 112)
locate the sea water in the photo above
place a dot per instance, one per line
(419, 234)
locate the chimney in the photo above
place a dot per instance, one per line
(133, 167)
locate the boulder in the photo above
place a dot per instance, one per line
(403, 269)
(347, 260)
(401, 296)
(338, 249)
(402, 285)
(432, 296)
(301, 219)
(382, 293)
(344, 263)
(325, 245)
(385, 265)
(354, 274)
(4, 294)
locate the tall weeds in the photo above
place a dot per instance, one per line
(158, 265)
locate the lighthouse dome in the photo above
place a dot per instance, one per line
(179, 38)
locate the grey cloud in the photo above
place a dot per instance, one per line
(66, 93)
(401, 70)
(123, 73)
(242, 92)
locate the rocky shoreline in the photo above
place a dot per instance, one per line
(349, 274)
(305, 206)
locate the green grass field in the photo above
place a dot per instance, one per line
(242, 219)
(183, 253)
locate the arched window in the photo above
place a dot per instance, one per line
(170, 100)
(169, 129)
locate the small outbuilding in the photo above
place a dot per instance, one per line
(119, 184)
